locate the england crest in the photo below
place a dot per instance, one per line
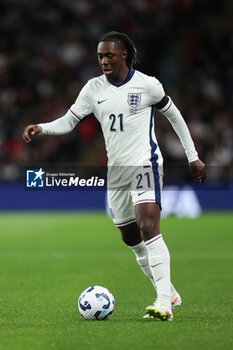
(134, 99)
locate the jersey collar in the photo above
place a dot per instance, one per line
(129, 76)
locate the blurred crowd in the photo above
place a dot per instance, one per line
(48, 52)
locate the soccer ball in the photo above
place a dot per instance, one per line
(96, 303)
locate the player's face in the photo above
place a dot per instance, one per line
(112, 60)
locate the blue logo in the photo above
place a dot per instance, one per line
(35, 178)
(134, 99)
(101, 101)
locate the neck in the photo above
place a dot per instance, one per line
(122, 76)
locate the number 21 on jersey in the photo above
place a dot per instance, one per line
(116, 122)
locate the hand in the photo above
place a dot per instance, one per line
(31, 130)
(197, 169)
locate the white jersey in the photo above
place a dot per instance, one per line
(125, 113)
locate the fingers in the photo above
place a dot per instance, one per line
(200, 176)
(197, 169)
(29, 130)
(26, 136)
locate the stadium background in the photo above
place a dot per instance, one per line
(48, 52)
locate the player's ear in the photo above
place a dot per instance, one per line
(124, 54)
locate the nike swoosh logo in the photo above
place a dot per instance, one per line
(101, 101)
(156, 264)
(141, 193)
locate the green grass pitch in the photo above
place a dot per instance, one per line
(47, 260)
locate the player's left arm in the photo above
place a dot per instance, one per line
(171, 112)
(197, 169)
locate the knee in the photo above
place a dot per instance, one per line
(148, 219)
(148, 228)
(130, 234)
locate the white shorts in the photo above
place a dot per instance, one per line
(146, 186)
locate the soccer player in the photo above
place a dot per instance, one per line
(123, 100)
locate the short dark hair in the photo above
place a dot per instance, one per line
(127, 43)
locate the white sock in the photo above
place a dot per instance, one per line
(173, 291)
(141, 253)
(159, 260)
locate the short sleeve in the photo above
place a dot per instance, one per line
(155, 90)
(82, 106)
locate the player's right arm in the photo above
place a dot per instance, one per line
(81, 108)
(60, 126)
